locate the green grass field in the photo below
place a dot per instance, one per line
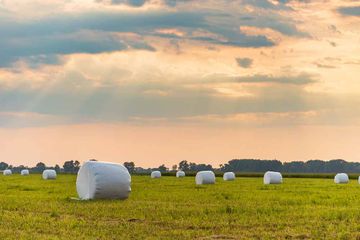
(171, 208)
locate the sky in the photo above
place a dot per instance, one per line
(160, 81)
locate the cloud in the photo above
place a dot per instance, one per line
(301, 79)
(135, 3)
(29, 119)
(93, 31)
(106, 85)
(43, 47)
(139, 3)
(321, 65)
(334, 29)
(39, 60)
(264, 4)
(244, 62)
(350, 11)
(267, 4)
(76, 98)
(332, 43)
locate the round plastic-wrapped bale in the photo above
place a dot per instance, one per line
(24, 172)
(205, 177)
(341, 178)
(7, 172)
(103, 180)
(180, 174)
(155, 174)
(359, 179)
(229, 176)
(49, 174)
(272, 178)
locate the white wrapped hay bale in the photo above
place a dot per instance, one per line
(24, 172)
(272, 178)
(155, 174)
(205, 177)
(359, 179)
(180, 174)
(49, 174)
(341, 178)
(229, 176)
(103, 180)
(7, 172)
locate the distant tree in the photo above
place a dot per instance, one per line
(40, 167)
(17, 169)
(3, 166)
(296, 167)
(68, 166)
(142, 170)
(337, 165)
(200, 167)
(71, 166)
(252, 165)
(184, 165)
(192, 167)
(174, 167)
(130, 166)
(57, 168)
(316, 166)
(162, 168)
(203, 167)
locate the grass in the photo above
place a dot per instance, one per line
(171, 208)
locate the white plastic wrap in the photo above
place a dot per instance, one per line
(180, 174)
(341, 178)
(24, 172)
(272, 178)
(155, 174)
(205, 177)
(229, 176)
(103, 180)
(7, 172)
(49, 174)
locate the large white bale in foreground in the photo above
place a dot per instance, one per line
(103, 180)
(7, 172)
(24, 172)
(155, 174)
(359, 179)
(272, 177)
(49, 174)
(180, 174)
(205, 177)
(229, 176)
(341, 178)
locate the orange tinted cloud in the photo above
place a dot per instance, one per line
(163, 81)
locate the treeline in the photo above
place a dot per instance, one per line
(183, 165)
(235, 165)
(311, 166)
(259, 166)
(71, 166)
